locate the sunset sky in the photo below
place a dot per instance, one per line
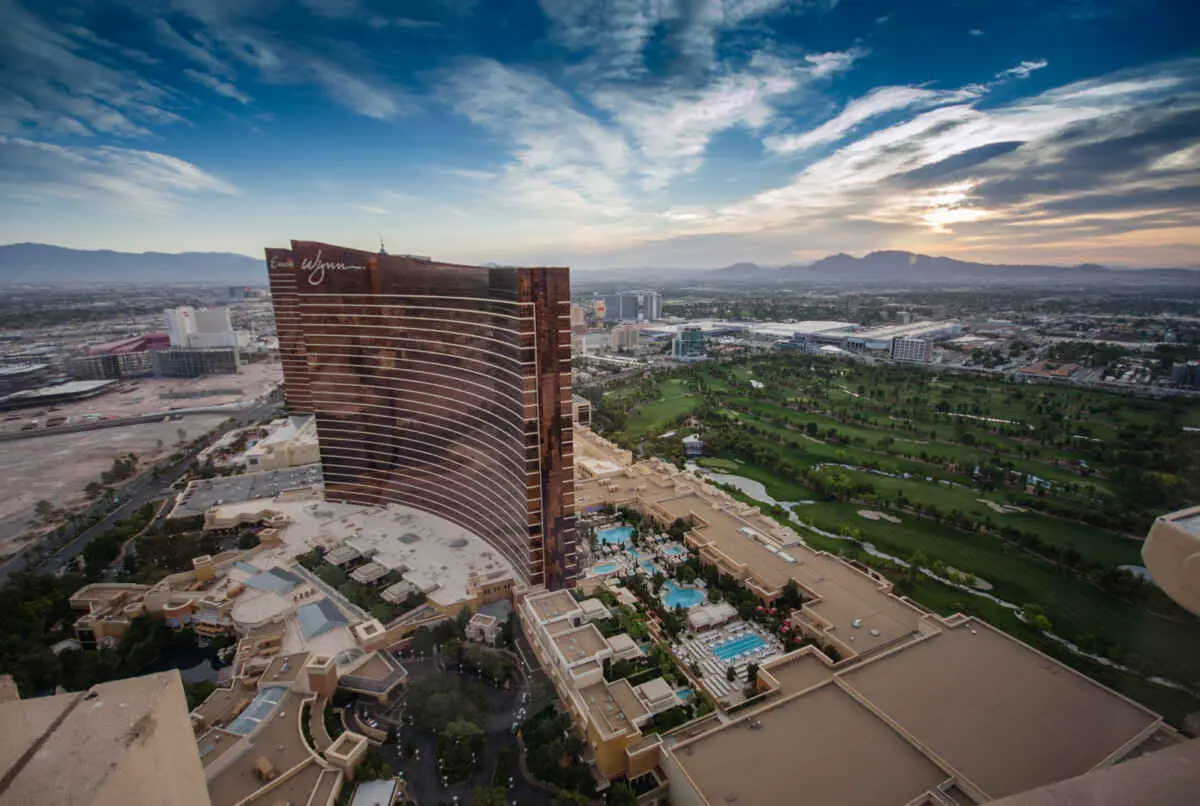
(663, 133)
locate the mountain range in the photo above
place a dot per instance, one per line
(44, 264)
(908, 268)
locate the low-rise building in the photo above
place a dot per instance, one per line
(625, 337)
(484, 628)
(912, 350)
(291, 442)
(192, 362)
(573, 654)
(581, 410)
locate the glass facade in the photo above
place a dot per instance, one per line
(281, 274)
(446, 388)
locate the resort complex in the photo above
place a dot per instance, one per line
(849, 676)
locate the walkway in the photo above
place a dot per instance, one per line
(316, 724)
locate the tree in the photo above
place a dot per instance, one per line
(460, 621)
(93, 489)
(620, 794)
(489, 796)
(731, 674)
(44, 509)
(751, 672)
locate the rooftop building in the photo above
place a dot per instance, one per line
(1172, 555)
(123, 743)
(292, 442)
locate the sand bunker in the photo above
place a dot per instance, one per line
(1003, 509)
(872, 515)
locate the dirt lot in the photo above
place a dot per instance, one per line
(151, 395)
(58, 468)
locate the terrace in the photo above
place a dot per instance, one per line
(277, 740)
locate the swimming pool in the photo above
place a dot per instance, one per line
(736, 646)
(673, 551)
(684, 694)
(676, 596)
(603, 568)
(615, 535)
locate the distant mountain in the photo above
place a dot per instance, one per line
(896, 268)
(41, 263)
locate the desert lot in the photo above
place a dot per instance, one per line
(58, 468)
(151, 395)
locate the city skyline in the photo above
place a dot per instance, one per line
(600, 134)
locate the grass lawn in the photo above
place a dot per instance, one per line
(780, 489)
(651, 418)
(1075, 608)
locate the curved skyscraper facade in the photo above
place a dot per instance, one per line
(446, 388)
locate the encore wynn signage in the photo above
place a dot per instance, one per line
(316, 267)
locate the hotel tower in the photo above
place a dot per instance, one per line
(441, 387)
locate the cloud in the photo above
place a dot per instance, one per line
(404, 23)
(563, 161)
(247, 35)
(143, 181)
(48, 84)
(218, 86)
(975, 32)
(168, 36)
(1023, 70)
(672, 128)
(372, 210)
(885, 100)
(615, 33)
(1041, 163)
(133, 54)
(877, 102)
(365, 98)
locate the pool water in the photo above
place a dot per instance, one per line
(673, 551)
(676, 596)
(604, 568)
(615, 535)
(684, 694)
(736, 646)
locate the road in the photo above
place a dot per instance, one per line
(152, 485)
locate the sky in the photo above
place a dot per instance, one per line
(607, 133)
